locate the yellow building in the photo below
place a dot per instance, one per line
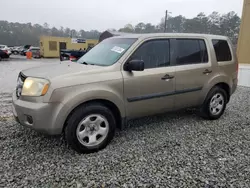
(50, 46)
(243, 49)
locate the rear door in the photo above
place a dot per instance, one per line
(193, 69)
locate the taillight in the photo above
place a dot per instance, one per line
(72, 58)
(6, 51)
(237, 64)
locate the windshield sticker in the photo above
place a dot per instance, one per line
(117, 49)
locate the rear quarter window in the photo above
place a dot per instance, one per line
(222, 50)
(191, 51)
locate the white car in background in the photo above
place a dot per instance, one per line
(16, 49)
(5, 48)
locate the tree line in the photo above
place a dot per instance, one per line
(214, 23)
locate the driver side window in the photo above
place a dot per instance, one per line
(154, 53)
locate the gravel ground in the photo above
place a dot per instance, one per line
(170, 150)
(5, 106)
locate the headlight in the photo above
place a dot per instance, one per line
(35, 87)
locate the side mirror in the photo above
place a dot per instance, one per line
(134, 65)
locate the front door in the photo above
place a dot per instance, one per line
(192, 71)
(150, 91)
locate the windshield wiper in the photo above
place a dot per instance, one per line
(85, 63)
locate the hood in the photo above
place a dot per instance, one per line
(60, 69)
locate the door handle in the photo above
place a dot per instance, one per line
(167, 77)
(207, 71)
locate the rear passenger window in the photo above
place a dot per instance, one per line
(222, 50)
(191, 51)
(155, 53)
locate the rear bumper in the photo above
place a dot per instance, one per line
(41, 117)
(234, 86)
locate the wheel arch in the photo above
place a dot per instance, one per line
(107, 103)
(73, 97)
(223, 85)
(226, 87)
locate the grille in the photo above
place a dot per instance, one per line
(20, 80)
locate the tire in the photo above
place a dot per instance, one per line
(83, 143)
(213, 107)
(0, 58)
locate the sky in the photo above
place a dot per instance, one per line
(107, 14)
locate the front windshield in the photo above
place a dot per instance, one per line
(107, 52)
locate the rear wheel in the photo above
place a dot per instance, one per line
(90, 128)
(215, 104)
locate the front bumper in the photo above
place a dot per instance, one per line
(38, 116)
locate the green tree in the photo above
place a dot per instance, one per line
(13, 33)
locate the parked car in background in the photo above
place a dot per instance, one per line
(123, 78)
(11, 48)
(24, 50)
(3, 55)
(16, 50)
(5, 48)
(20, 49)
(35, 52)
(73, 55)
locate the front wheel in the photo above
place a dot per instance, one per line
(215, 104)
(90, 128)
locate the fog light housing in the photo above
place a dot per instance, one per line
(29, 119)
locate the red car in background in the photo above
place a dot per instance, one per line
(4, 54)
(35, 52)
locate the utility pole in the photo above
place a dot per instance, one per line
(166, 18)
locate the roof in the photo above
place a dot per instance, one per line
(188, 35)
(117, 33)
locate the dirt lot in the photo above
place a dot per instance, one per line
(171, 150)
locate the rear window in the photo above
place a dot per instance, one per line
(191, 51)
(222, 50)
(34, 50)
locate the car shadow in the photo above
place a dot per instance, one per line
(164, 117)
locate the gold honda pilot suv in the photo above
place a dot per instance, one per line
(123, 78)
